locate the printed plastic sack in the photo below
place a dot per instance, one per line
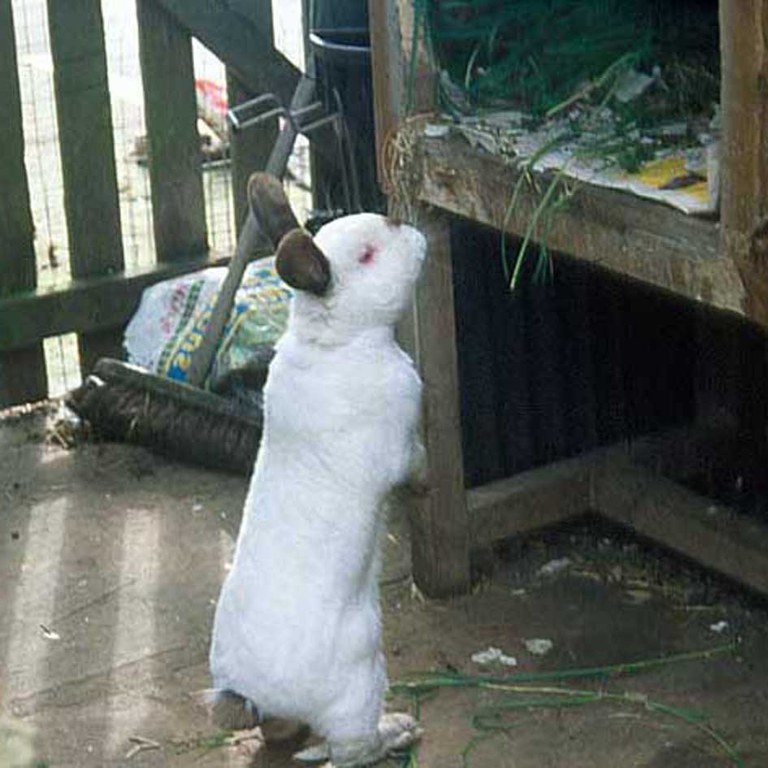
(170, 321)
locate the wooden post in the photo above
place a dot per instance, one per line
(744, 147)
(87, 152)
(402, 78)
(22, 372)
(178, 205)
(439, 521)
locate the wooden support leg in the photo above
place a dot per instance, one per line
(440, 526)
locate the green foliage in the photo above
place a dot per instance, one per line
(533, 54)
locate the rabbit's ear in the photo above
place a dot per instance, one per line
(270, 206)
(301, 264)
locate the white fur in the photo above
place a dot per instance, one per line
(297, 627)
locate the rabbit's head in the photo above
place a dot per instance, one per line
(357, 274)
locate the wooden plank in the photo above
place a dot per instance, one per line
(607, 481)
(642, 239)
(403, 79)
(744, 147)
(85, 136)
(178, 205)
(387, 73)
(244, 46)
(531, 499)
(439, 520)
(87, 305)
(22, 374)
(716, 537)
(86, 146)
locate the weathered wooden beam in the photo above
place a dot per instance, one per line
(627, 483)
(242, 44)
(641, 239)
(439, 520)
(531, 499)
(87, 305)
(86, 146)
(178, 204)
(22, 373)
(666, 512)
(744, 147)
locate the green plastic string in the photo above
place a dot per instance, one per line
(526, 691)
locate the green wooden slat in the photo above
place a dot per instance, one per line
(174, 147)
(92, 305)
(85, 136)
(86, 145)
(22, 373)
(17, 253)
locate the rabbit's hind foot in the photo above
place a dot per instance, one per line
(396, 731)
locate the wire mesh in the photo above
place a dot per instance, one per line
(130, 145)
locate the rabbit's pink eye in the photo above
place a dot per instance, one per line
(368, 255)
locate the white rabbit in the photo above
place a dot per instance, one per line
(297, 632)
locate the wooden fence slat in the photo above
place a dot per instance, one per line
(178, 205)
(87, 151)
(22, 373)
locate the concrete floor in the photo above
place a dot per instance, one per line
(111, 560)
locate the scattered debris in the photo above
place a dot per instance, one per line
(638, 596)
(49, 634)
(140, 744)
(416, 594)
(553, 567)
(494, 655)
(67, 429)
(436, 131)
(539, 646)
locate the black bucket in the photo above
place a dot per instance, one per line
(340, 41)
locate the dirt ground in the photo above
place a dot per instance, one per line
(110, 563)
